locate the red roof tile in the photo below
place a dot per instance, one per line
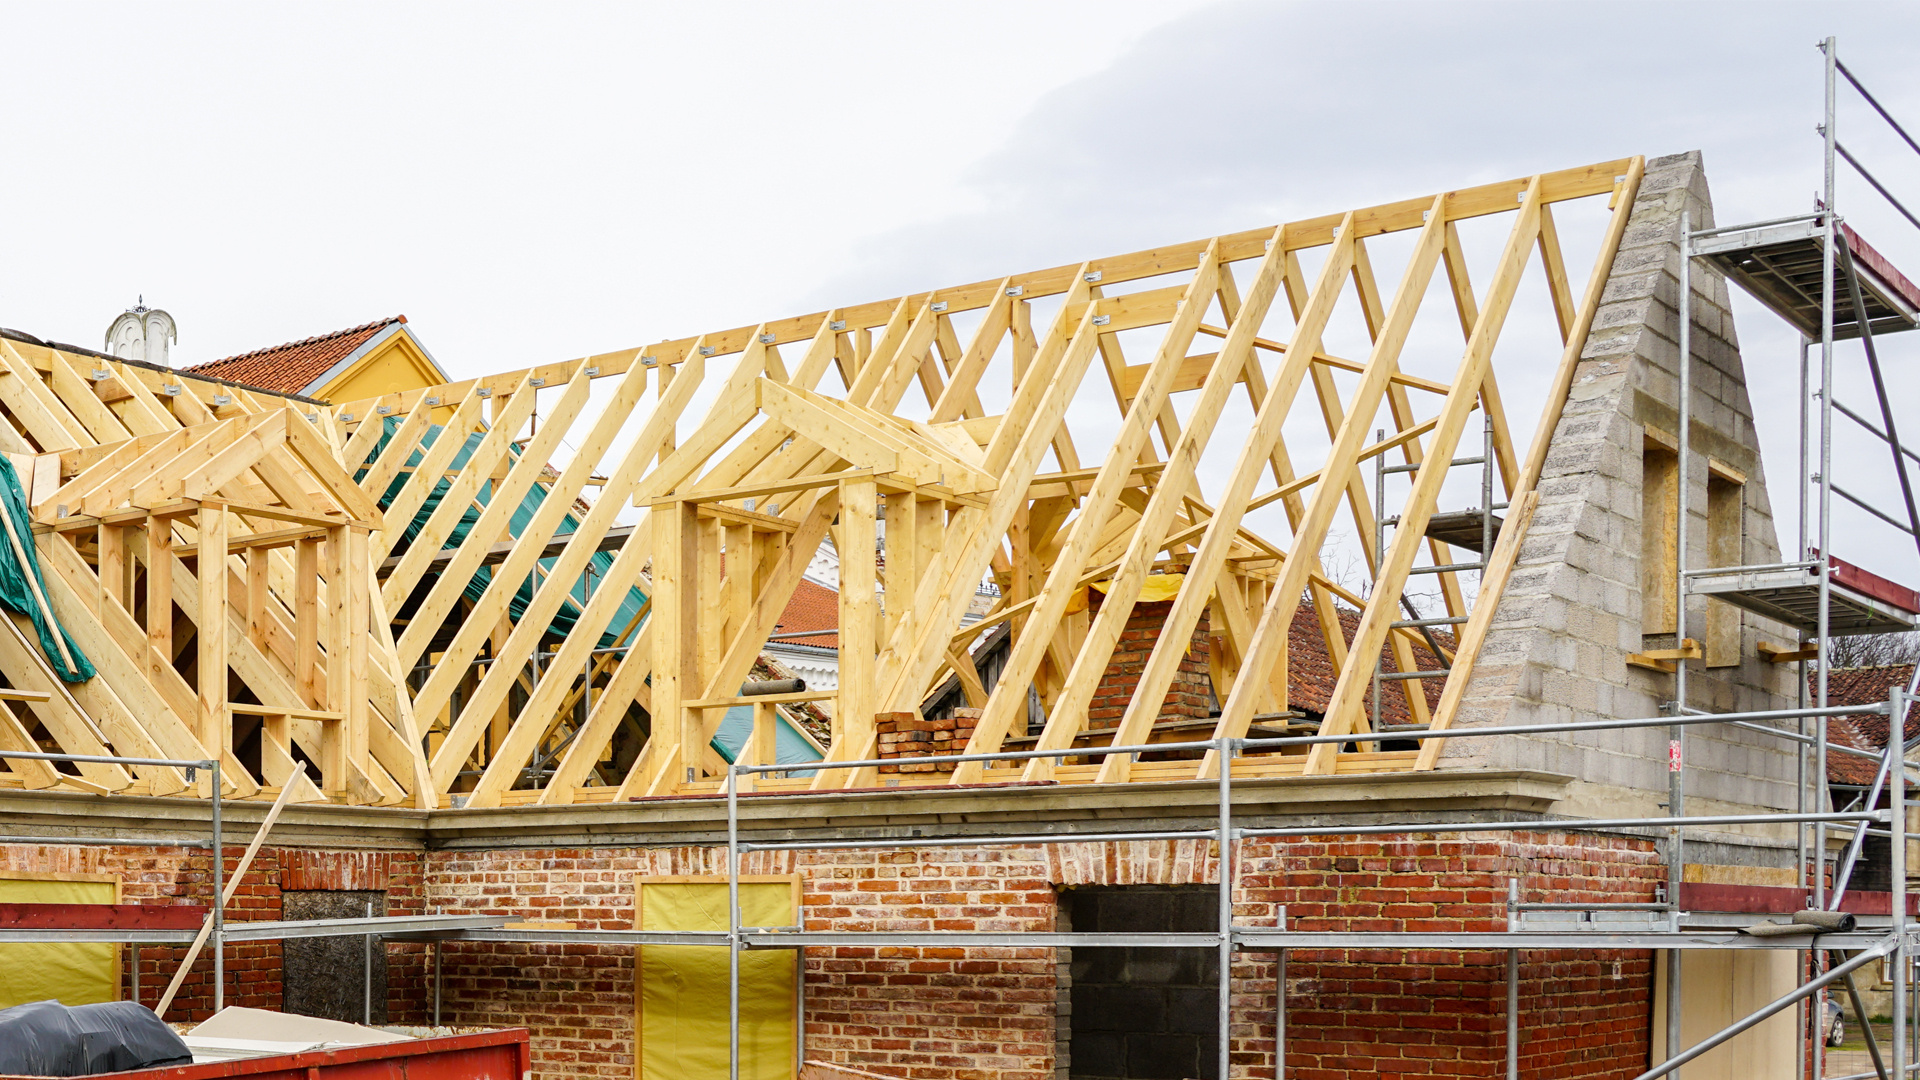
(1310, 675)
(1865, 731)
(291, 368)
(813, 607)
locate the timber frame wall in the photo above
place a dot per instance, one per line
(361, 633)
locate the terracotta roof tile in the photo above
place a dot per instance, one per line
(813, 607)
(291, 368)
(1865, 731)
(1310, 675)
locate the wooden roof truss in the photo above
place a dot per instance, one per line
(826, 425)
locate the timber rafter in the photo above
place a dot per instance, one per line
(548, 585)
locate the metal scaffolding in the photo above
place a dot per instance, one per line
(1795, 266)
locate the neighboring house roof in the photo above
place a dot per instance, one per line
(813, 607)
(303, 365)
(1310, 675)
(1864, 731)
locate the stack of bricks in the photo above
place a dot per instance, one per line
(905, 735)
(1189, 696)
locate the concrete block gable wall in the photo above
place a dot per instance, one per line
(1572, 611)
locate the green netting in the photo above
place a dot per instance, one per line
(17, 592)
(600, 564)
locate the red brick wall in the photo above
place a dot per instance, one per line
(987, 1014)
(1187, 697)
(151, 875)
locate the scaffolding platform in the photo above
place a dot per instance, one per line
(1781, 265)
(1860, 602)
(1461, 529)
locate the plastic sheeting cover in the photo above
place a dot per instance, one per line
(683, 988)
(577, 594)
(46, 1038)
(16, 592)
(74, 973)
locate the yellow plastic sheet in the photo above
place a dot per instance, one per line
(682, 990)
(70, 974)
(1156, 587)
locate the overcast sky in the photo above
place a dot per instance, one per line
(534, 182)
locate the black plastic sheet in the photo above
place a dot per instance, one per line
(46, 1038)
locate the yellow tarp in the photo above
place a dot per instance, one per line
(1157, 587)
(69, 974)
(682, 989)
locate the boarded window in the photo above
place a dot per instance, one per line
(330, 976)
(1726, 546)
(1659, 509)
(681, 997)
(72, 974)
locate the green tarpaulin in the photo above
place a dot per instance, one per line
(599, 565)
(17, 591)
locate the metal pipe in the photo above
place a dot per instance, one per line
(1877, 107)
(366, 1001)
(1892, 436)
(1866, 1028)
(1898, 704)
(1513, 1014)
(436, 981)
(1724, 229)
(1280, 1015)
(1224, 1045)
(1877, 185)
(219, 936)
(733, 924)
(1841, 408)
(973, 841)
(1554, 825)
(103, 759)
(1760, 1016)
(1842, 877)
(1824, 510)
(1309, 740)
(1757, 568)
(1676, 848)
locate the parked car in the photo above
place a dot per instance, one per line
(1836, 1024)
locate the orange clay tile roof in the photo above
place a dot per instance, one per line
(813, 607)
(1310, 675)
(291, 368)
(1867, 731)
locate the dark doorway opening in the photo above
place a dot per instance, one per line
(1142, 1013)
